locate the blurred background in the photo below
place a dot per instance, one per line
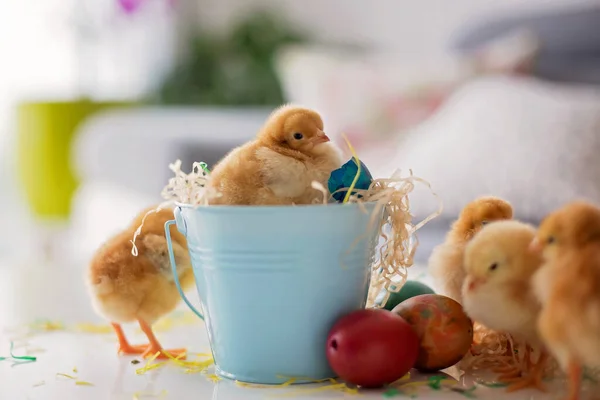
(97, 97)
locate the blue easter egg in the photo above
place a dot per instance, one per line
(342, 178)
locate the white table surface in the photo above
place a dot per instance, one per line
(56, 293)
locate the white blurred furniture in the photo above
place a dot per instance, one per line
(533, 142)
(133, 147)
(122, 157)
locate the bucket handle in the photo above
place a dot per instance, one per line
(174, 268)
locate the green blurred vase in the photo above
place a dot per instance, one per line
(45, 136)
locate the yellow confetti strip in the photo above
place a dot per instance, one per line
(404, 378)
(47, 326)
(77, 382)
(75, 370)
(304, 379)
(191, 366)
(213, 378)
(333, 385)
(39, 384)
(149, 366)
(65, 375)
(255, 385)
(93, 328)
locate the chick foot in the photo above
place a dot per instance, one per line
(530, 381)
(124, 347)
(510, 376)
(508, 372)
(574, 374)
(155, 346)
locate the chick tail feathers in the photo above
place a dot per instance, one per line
(156, 251)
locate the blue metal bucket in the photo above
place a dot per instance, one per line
(273, 280)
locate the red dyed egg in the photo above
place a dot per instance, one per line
(445, 332)
(372, 348)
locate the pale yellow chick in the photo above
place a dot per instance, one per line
(278, 167)
(446, 260)
(568, 285)
(498, 290)
(126, 288)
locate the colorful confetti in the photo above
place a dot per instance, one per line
(435, 382)
(213, 378)
(492, 384)
(65, 375)
(18, 358)
(83, 383)
(149, 366)
(85, 327)
(45, 325)
(333, 385)
(392, 393)
(74, 378)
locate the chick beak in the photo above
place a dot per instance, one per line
(535, 246)
(474, 284)
(321, 138)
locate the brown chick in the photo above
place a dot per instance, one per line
(278, 167)
(498, 290)
(126, 288)
(446, 260)
(568, 286)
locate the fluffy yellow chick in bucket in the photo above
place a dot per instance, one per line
(277, 168)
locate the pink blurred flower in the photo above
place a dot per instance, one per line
(131, 6)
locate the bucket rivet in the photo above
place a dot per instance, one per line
(180, 221)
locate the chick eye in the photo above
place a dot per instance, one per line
(550, 240)
(298, 136)
(493, 266)
(484, 222)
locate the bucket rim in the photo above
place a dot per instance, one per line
(370, 205)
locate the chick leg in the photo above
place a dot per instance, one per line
(155, 347)
(574, 372)
(124, 346)
(534, 379)
(509, 374)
